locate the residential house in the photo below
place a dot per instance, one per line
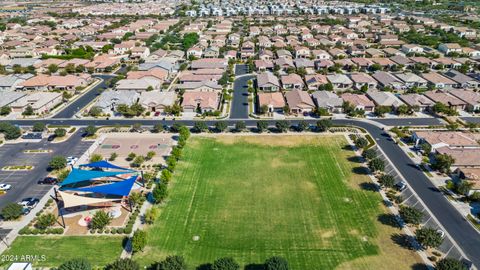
(446, 99)
(340, 82)
(438, 81)
(387, 80)
(315, 81)
(471, 98)
(273, 100)
(40, 102)
(292, 81)
(412, 48)
(156, 101)
(11, 82)
(462, 80)
(359, 101)
(299, 102)
(417, 102)
(412, 80)
(328, 100)
(448, 48)
(110, 99)
(385, 99)
(268, 82)
(200, 102)
(361, 79)
(139, 85)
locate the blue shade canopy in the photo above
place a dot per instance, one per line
(78, 175)
(103, 164)
(121, 188)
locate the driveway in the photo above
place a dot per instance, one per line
(24, 183)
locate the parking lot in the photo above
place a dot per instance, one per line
(24, 183)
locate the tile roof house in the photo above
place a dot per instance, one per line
(412, 80)
(47, 82)
(386, 79)
(462, 80)
(274, 101)
(268, 82)
(209, 63)
(340, 82)
(142, 84)
(328, 100)
(7, 98)
(471, 98)
(154, 73)
(299, 102)
(315, 81)
(417, 102)
(361, 79)
(109, 99)
(381, 98)
(40, 102)
(196, 101)
(11, 82)
(292, 81)
(156, 101)
(438, 81)
(360, 102)
(446, 99)
(464, 157)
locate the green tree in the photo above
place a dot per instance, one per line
(5, 110)
(276, 263)
(138, 161)
(139, 240)
(28, 111)
(323, 125)
(428, 237)
(60, 132)
(95, 111)
(11, 211)
(220, 126)
(131, 156)
(369, 153)
(135, 198)
(262, 126)
(57, 163)
(96, 158)
(123, 264)
(10, 131)
(173, 263)
(382, 110)
(160, 192)
(157, 128)
(361, 142)
(76, 264)
(411, 215)
(151, 215)
(387, 180)
(376, 165)
(240, 126)
(90, 130)
(226, 263)
(364, 88)
(282, 126)
(52, 68)
(44, 221)
(443, 162)
(450, 264)
(100, 220)
(302, 126)
(464, 187)
(426, 148)
(200, 126)
(38, 127)
(150, 155)
(113, 156)
(402, 109)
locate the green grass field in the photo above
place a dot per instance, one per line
(254, 197)
(100, 250)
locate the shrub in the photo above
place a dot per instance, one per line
(123, 264)
(428, 237)
(100, 220)
(376, 165)
(76, 264)
(369, 153)
(57, 163)
(44, 221)
(173, 263)
(387, 180)
(151, 215)
(450, 264)
(361, 142)
(411, 215)
(276, 263)
(12, 211)
(226, 263)
(139, 240)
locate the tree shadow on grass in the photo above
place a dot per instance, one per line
(205, 266)
(254, 266)
(360, 170)
(347, 147)
(419, 266)
(355, 159)
(369, 186)
(388, 219)
(404, 240)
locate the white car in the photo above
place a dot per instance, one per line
(71, 160)
(5, 187)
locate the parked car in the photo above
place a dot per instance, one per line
(32, 136)
(157, 113)
(48, 181)
(5, 187)
(401, 186)
(29, 202)
(51, 138)
(71, 160)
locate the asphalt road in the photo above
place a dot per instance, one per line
(239, 108)
(459, 228)
(241, 70)
(84, 100)
(410, 121)
(24, 184)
